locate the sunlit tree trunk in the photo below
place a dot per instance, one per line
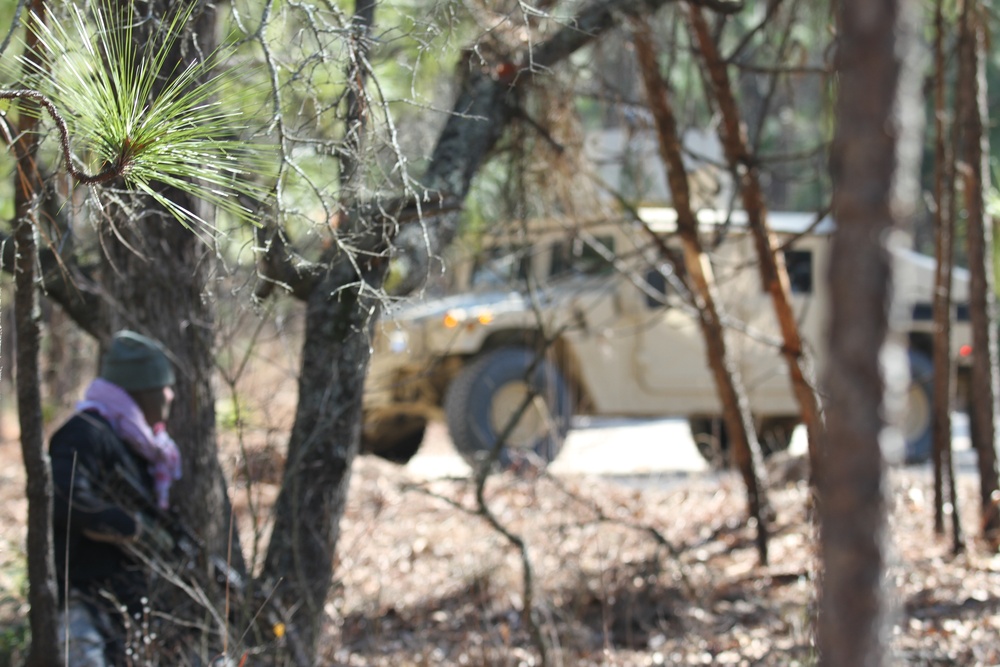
(735, 405)
(876, 110)
(773, 274)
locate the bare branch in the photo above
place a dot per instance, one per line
(113, 170)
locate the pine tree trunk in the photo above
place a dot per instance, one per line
(875, 99)
(982, 299)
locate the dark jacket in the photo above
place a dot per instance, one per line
(89, 466)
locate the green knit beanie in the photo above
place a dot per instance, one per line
(135, 362)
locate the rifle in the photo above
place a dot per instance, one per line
(167, 534)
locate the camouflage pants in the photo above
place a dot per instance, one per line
(84, 629)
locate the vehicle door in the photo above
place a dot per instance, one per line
(671, 356)
(588, 272)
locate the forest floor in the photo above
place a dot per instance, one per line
(621, 575)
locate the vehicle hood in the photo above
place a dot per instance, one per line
(436, 308)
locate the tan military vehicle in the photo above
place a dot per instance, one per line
(553, 319)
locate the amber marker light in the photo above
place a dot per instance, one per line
(485, 318)
(450, 320)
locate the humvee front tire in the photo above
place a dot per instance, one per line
(487, 393)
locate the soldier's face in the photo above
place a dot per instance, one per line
(155, 403)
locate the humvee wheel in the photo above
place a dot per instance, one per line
(712, 440)
(487, 394)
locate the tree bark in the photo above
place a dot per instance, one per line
(874, 104)
(357, 99)
(773, 274)
(735, 406)
(42, 594)
(156, 275)
(982, 299)
(323, 444)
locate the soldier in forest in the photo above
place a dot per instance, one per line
(111, 459)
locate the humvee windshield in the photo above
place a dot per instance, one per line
(500, 267)
(579, 257)
(509, 266)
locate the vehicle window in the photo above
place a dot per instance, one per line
(501, 266)
(800, 271)
(657, 282)
(580, 257)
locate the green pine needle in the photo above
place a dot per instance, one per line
(180, 136)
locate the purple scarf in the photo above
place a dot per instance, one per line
(127, 421)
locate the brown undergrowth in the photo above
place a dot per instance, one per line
(665, 573)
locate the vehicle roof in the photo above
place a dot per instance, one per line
(662, 219)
